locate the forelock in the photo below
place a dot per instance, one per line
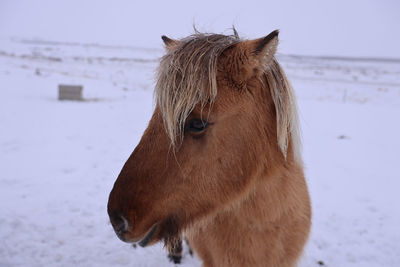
(187, 76)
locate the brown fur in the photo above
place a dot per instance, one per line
(237, 189)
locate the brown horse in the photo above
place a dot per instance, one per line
(220, 160)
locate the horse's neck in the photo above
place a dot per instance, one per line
(241, 234)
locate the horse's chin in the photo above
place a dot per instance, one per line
(149, 238)
(168, 231)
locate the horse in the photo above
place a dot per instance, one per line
(220, 161)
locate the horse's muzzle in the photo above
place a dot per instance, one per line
(121, 228)
(120, 225)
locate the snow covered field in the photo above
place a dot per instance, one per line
(59, 160)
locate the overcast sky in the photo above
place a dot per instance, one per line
(313, 27)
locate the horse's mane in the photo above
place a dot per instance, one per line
(288, 130)
(187, 76)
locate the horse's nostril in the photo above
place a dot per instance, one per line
(119, 223)
(122, 225)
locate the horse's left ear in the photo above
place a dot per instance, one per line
(262, 50)
(169, 43)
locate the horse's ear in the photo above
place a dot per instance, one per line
(169, 43)
(264, 49)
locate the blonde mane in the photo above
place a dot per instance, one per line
(288, 130)
(187, 76)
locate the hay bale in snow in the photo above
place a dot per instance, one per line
(70, 92)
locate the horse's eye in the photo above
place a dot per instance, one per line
(196, 125)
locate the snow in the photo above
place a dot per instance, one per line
(59, 160)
